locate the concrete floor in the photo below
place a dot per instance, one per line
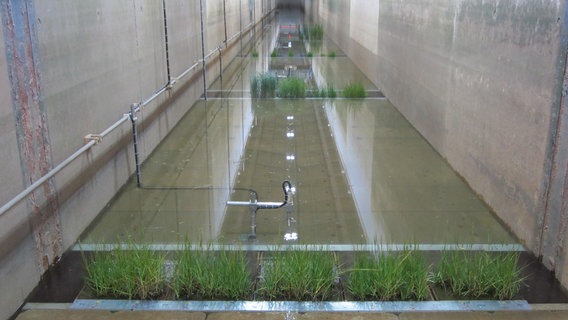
(155, 315)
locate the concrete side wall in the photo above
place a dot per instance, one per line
(482, 82)
(93, 59)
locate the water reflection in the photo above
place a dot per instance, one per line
(404, 191)
(360, 172)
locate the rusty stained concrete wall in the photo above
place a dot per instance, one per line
(94, 59)
(482, 81)
(31, 126)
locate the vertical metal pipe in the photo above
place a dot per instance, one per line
(204, 63)
(133, 119)
(166, 40)
(241, 25)
(220, 64)
(225, 19)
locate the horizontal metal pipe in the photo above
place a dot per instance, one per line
(260, 204)
(154, 96)
(59, 167)
(115, 125)
(183, 74)
(239, 203)
(46, 177)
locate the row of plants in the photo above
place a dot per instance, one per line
(331, 54)
(266, 85)
(136, 272)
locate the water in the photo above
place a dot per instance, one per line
(361, 172)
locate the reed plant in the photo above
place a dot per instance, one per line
(389, 277)
(316, 32)
(263, 86)
(354, 90)
(480, 274)
(329, 92)
(215, 275)
(292, 87)
(133, 272)
(298, 275)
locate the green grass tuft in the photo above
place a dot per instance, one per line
(263, 86)
(134, 272)
(292, 87)
(400, 276)
(480, 274)
(354, 90)
(298, 275)
(215, 275)
(316, 32)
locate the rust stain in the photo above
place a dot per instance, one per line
(32, 126)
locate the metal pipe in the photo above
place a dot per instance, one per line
(225, 18)
(115, 125)
(154, 96)
(260, 204)
(220, 64)
(166, 42)
(183, 74)
(204, 65)
(133, 108)
(46, 177)
(59, 167)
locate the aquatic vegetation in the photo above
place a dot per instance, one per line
(292, 87)
(390, 276)
(480, 274)
(298, 275)
(329, 92)
(354, 90)
(134, 272)
(137, 272)
(316, 32)
(263, 86)
(216, 275)
(325, 92)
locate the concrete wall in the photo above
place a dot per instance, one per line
(70, 68)
(482, 81)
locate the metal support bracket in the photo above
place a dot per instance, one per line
(97, 138)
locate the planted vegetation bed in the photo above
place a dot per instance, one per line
(136, 272)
